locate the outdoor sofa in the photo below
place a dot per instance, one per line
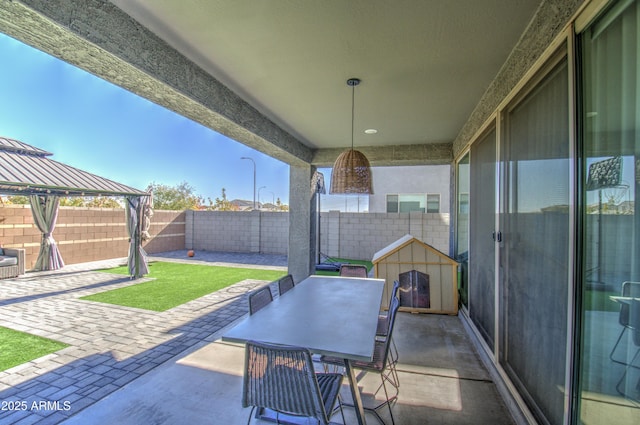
(11, 262)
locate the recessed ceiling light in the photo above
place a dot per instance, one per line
(371, 131)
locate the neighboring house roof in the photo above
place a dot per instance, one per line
(244, 205)
(27, 170)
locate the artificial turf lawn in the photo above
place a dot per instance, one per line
(18, 347)
(177, 283)
(600, 301)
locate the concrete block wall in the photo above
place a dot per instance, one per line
(360, 236)
(274, 233)
(17, 230)
(87, 234)
(233, 231)
(350, 235)
(90, 234)
(167, 232)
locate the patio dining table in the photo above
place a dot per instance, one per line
(333, 316)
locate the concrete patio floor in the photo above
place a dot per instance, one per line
(129, 366)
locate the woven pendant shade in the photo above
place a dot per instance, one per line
(351, 173)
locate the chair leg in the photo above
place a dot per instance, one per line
(251, 414)
(388, 402)
(344, 421)
(384, 377)
(616, 346)
(395, 357)
(622, 378)
(611, 355)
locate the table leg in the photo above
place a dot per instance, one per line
(355, 392)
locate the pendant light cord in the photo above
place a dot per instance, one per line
(353, 82)
(353, 109)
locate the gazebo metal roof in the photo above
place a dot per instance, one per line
(27, 170)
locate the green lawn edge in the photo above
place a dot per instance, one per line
(174, 284)
(18, 347)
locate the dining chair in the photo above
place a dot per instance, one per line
(629, 289)
(383, 318)
(382, 331)
(353, 270)
(634, 325)
(259, 298)
(282, 378)
(285, 284)
(380, 365)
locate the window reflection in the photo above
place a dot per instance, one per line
(610, 340)
(462, 229)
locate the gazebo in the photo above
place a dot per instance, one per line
(27, 171)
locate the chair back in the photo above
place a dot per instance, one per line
(391, 317)
(393, 310)
(259, 298)
(394, 292)
(282, 378)
(629, 289)
(285, 284)
(394, 296)
(353, 270)
(634, 320)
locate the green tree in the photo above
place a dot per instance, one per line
(280, 206)
(177, 198)
(16, 200)
(223, 204)
(103, 202)
(72, 201)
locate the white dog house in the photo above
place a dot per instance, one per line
(437, 293)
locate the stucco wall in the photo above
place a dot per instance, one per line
(431, 179)
(550, 19)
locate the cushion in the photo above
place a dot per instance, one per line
(8, 261)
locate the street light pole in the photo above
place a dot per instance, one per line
(259, 189)
(254, 179)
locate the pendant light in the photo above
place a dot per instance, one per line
(351, 173)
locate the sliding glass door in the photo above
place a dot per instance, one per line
(462, 227)
(534, 251)
(609, 344)
(483, 234)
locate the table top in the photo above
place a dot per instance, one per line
(623, 300)
(335, 316)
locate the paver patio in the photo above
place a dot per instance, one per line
(131, 366)
(110, 345)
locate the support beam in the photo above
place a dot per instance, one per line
(302, 247)
(425, 154)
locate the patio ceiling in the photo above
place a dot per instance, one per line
(272, 74)
(424, 64)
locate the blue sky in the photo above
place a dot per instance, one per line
(101, 128)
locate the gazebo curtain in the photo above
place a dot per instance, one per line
(135, 212)
(45, 214)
